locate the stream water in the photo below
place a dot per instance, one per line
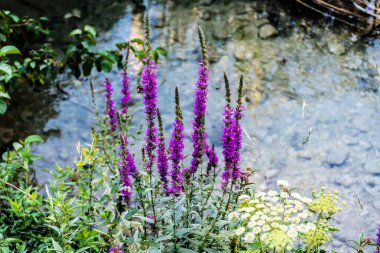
(311, 91)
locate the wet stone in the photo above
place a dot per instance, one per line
(241, 53)
(267, 31)
(335, 46)
(221, 33)
(347, 180)
(372, 167)
(376, 204)
(337, 156)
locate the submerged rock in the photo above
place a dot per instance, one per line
(372, 167)
(267, 31)
(337, 156)
(335, 46)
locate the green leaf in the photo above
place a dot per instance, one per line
(3, 107)
(9, 50)
(82, 249)
(3, 38)
(56, 246)
(75, 32)
(138, 41)
(90, 29)
(6, 69)
(32, 64)
(153, 249)
(141, 54)
(17, 146)
(162, 51)
(164, 238)
(87, 67)
(4, 95)
(106, 65)
(184, 250)
(33, 138)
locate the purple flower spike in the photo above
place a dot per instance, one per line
(201, 91)
(149, 88)
(238, 114)
(212, 157)
(176, 148)
(162, 157)
(229, 146)
(127, 170)
(126, 92)
(111, 111)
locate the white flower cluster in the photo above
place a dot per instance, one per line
(273, 215)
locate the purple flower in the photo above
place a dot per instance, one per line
(198, 134)
(126, 92)
(377, 240)
(229, 146)
(238, 114)
(127, 170)
(238, 142)
(162, 157)
(149, 88)
(117, 250)
(111, 111)
(176, 147)
(212, 157)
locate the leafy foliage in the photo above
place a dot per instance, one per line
(38, 61)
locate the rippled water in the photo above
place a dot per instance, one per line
(312, 99)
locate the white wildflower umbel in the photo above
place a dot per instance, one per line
(278, 218)
(239, 231)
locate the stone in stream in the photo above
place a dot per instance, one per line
(336, 156)
(241, 53)
(372, 167)
(267, 31)
(335, 46)
(221, 33)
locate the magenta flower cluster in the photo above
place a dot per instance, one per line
(198, 135)
(229, 145)
(126, 92)
(162, 157)
(111, 111)
(128, 170)
(149, 86)
(232, 137)
(176, 147)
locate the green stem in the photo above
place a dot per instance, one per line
(315, 232)
(174, 225)
(142, 204)
(153, 202)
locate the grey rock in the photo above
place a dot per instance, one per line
(337, 156)
(372, 167)
(241, 53)
(221, 32)
(376, 204)
(346, 180)
(250, 31)
(267, 31)
(335, 46)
